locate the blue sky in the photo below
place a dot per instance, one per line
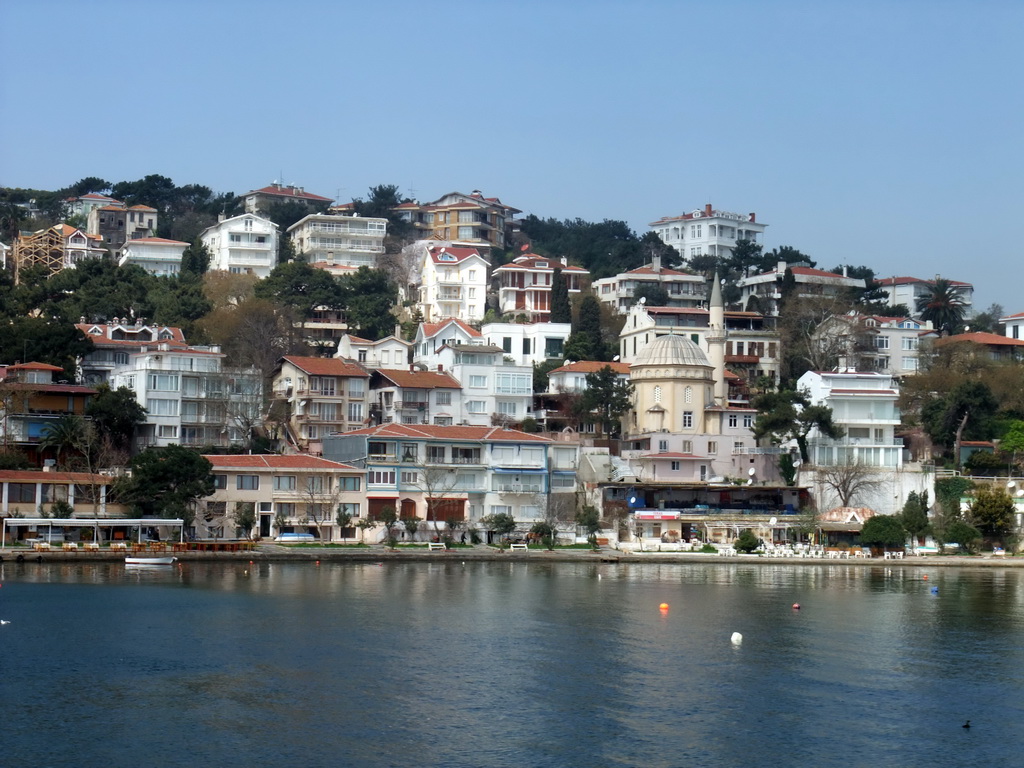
(879, 133)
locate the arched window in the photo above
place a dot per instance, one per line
(657, 394)
(688, 395)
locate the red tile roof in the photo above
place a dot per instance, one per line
(275, 461)
(530, 261)
(432, 329)
(647, 269)
(420, 379)
(39, 476)
(34, 367)
(981, 337)
(287, 191)
(592, 366)
(141, 208)
(431, 432)
(327, 366)
(460, 254)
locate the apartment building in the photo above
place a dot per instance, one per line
(684, 289)
(344, 241)
(708, 231)
(524, 285)
(320, 396)
(245, 244)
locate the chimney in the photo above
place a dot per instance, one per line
(565, 261)
(844, 271)
(753, 217)
(656, 263)
(707, 209)
(780, 268)
(440, 368)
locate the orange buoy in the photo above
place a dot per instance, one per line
(663, 606)
(926, 577)
(796, 606)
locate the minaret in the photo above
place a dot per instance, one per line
(716, 342)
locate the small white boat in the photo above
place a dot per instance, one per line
(146, 561)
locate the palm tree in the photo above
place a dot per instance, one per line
(68, 433)
(943, 305)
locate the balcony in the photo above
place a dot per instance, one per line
(519, 488)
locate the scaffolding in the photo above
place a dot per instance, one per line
(43, 248)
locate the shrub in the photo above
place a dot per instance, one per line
(747, 542)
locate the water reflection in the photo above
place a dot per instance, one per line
(490, 664)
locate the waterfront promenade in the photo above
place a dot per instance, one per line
(481, 553)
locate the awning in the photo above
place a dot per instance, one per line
(848, 527)
(652, 516)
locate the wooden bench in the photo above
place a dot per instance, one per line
(91, 546)
(518, 547)
(436, 546)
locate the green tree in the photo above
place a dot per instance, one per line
(69, 434)
(501, 523)
(302, 287)
(992, 511)
(962, 533)
(586, 341)
(244, 517)
(883, 531)
(969, 408)
(167, 482)
(196, 258)
(561, 310)
(789, 415)
(388, 516)
(116, 415)
(653, 294)
(369, 298)
(589, 519)
(607, 395)
(382, 203)
(944, 305)
(915, 514)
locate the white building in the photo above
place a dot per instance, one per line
(347, 241)
(528, 343)
(156, 255)
(683, 288)
(453, 283)
(430, 337)
(907, 290)
(810, 283)
(524, 285)
(1013, 325)
(708, 232)
(390, 352)
(245, 244)
(190, 399)
(874, 342)
(461, 474)
(494, 390)
(114, 342)
(572, 377)
(864, 405)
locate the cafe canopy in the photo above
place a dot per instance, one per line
(47, 524)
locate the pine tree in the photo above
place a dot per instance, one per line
(561, 312)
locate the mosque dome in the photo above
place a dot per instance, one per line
(672, 350)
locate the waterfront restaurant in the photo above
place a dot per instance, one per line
(709, 512)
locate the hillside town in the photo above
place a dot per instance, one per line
(281, 366)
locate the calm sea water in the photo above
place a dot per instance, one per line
(510, 664)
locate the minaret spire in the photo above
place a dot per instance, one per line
(716, 341)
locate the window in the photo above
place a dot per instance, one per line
(21, 492)
(506, 343)
(357, 387)
(435, 454)
(444, 398)
(355, 411)
(687, 446)
(663, 445)
(476, 406)
(657, 393)
(159, 407)
(506, 409)
(553, 347)
(247, 482)
(465, 233)
(676, 465)
(881, 342)
(410, 478)
(443, 421)
(380, 478)
(167, 431)
(316, 484)
(748, 420)
(501, 509)
(909, 364)
(712, 446)
(349, 483)
(687, 419)
(284, 482)
(352, 510)
(733, 420)
(688, 395)
(910, 344)
(563, 481)
(410, 453)
(478, 382)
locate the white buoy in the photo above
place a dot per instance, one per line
(737, 638)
